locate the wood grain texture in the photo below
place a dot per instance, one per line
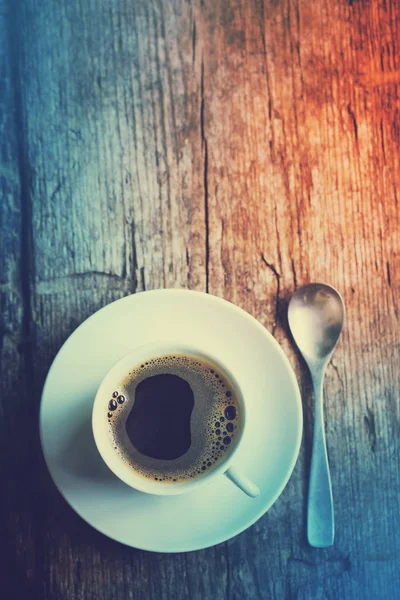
(240, 148)
(17, 555)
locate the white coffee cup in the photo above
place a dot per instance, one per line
(125, 472)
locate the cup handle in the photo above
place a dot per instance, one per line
(244, 484)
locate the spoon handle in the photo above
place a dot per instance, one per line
(320, 517)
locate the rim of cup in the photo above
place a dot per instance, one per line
(113, 377)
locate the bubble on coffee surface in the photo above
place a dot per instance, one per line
(230, 413)
(215, 403)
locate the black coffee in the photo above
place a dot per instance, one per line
(173, 418)
(158, 425)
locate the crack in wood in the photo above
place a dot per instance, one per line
(278, 290)
(294, 274)
(382, 142)
(204, 145)
(133, 278)
(297, 12)
(57, 189)
(389, 279)
(394, 298)
(369, 421)
(334, 367)
(354, 121)
(194, 33)
(278, 239)
(26, 265)
(142, 277)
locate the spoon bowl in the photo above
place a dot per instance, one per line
(316, 316)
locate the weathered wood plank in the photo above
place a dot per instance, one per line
(18, 554)
(303, 188)
(242, 148)
(112, 125)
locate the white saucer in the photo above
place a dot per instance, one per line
(215, 512)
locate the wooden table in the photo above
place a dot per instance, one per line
(241, 148)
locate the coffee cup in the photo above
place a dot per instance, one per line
(168, 418)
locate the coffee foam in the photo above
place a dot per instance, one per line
(210, 439)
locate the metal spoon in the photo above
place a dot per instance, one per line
(316, 316)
